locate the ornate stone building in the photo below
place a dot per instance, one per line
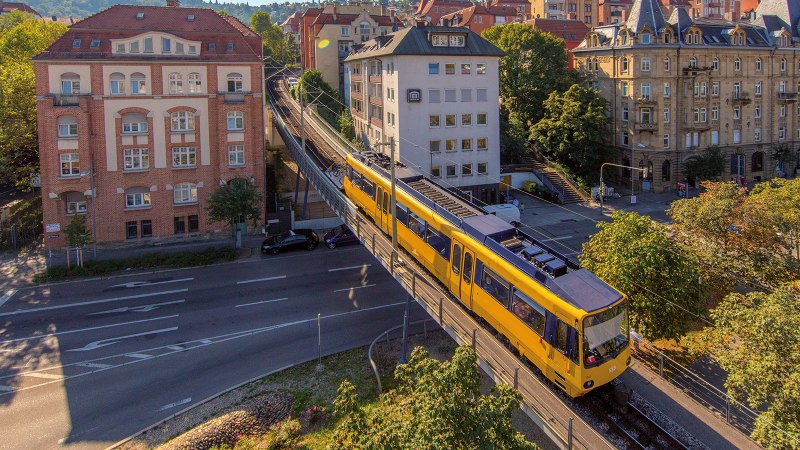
(677, 86)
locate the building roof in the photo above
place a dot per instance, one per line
(646, 13)
(414, 41)
(569, 30)
(121, 22)
(463, 17)
(348, 19)
(293, 21)
(6, 7)
(777, 14)
(426, 6)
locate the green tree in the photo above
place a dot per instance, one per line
(755, 338)
(76, 233)
(235, 202)
(574, 131)
(346, 125)
(660, 277)
(435, 405)
(21, 37)
(280, 48)
(316, 90)
(779, 200)
(707, 166)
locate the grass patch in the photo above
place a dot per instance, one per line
(177, 259)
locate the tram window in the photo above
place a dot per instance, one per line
(456, 259)
(468, 268)
(439, 242)
(528, 311)
(402, 214)
(566, 340)
(350, 173)
(385, 202)
(495, 286)
(416, 224)
(368, 187)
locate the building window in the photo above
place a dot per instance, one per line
(457, 41)
(70, 164)
(434, 96)
(67, 127)
(482, 119)
(345, 31)
(235, 82)
(758, 64)
(434, 121)
(184, 156)
(450, 145)
(148, 45)
(229, 46)
(666, 170)
(715, 89)
(212, 46)
(666, 141)
(737, 64)
(435, 146)
(737, 136)
(194, 83)
(783, 111)
(138, 84)
(184, 193)
(235, 120)
(623, 65)
(131, 230)
(134, 47)
(449, 95)
(466, 95)
(625, 139)
(714, 113)
(737, 113)
(147, 228)
(136, 159)
(137, 198)
(450, 120)
(433, 69)
(757, 162)
(482, 143)
(483, 168)
(436, 171)
(757, 112)
(134, 123)
(451, 171)
(166, 45)
(194, 223)
(782, 133)
(70, 84)
(466, 120)
(180, 225)
(715, 64)
(466, 144)
(758, 88)
(182, 121)
(783, 64)
(757, 134)
(480, 69)
(645, 91)
(666, 90)
(645, 65)
(624, 88)
(466, 170)
(465, 69)
(625, 114)
(236, 155)
(666, 64)
(75, 203)
(666, 115)
(645, 36)
(481, 95)
(117, 84)
(449, 69)
(693, 62)
(439, 40)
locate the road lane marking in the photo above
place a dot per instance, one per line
(135, 284)
(143, 308)
(93, 302)
(354, 287)
(89, 329)
(206, 341)
(349, 268)
(94, 365)
(4, 388)
(178, 403)
(139, 355)
(263, 301)
(7, 296)
(258, 280)
(48, 376)
(177, 348)
(104, 342)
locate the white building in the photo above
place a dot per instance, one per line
(434, 93)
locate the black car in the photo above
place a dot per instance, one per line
(341, 235)
(290, 240)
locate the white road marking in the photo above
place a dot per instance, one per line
(104, 342)
(143, 308)
(177, 348)
(93, 302)
(557, 239)
(135, 284)
(257, 280)
(49, 376)
(206, 341)
(263, 301)
(349, 268)
(354, 287)
(89, 329)
(178, 403)
(138, 355)
(94, 365)
(7, 296)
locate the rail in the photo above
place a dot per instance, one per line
(562, 426)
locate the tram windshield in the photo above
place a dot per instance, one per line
(605, 334)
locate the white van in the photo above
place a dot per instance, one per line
(505, 211)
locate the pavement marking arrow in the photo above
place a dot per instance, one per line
(104, 342)
(135, 284)
(143, 308)
(178, 403)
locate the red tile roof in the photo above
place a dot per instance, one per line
(443, 3)
(120, 22)
(18, 6)
(348, 19)
(466, 14)
(564, 29)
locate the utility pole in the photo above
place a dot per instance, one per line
(393, 200)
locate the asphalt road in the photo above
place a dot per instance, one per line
(85, 364)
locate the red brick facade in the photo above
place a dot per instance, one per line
(97, 112)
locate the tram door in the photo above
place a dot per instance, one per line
(382, 209)
(462, 268)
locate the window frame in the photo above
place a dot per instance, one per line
(184, 157)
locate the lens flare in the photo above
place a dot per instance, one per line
(324, 43)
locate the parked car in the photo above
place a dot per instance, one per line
(290, 240)
(341, 235)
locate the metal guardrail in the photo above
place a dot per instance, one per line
(539, 402)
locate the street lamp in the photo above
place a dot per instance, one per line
(602, 190)
(91, 174)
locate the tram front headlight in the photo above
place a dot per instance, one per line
(628, 361)
(588, 384)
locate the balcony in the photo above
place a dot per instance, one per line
(698, 126)
(356, 95)
(356, 77)
(616, 13)
(66, 100)
(234, 98)
(645, 126)
(740, 98)
(375, 78)
(646, 100)
(377, 101)
(376, 121)
(695, 70)
(787, 96)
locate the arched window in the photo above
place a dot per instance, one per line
(648, 166)
(70, 84)
(117, 84)
(75, 202)
(666, 64)
(624, 65)
(138, 84)
(715, 64)
(625, 38)
(692, 62)
(235, 83)
(783, 64)
(666, 170)
(67, 127)
(194, 83)
(138, 197)
(737, 64)
(175, 83)
(757, 161)
(758, 64)
(134, 123)
(588, 64)
(182, 121)
(184, 193)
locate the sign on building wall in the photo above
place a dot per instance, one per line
(414, 95)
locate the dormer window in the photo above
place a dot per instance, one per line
(166, 45)
(95, 43)
(76, 43)
(457, 41)
(212, 46)
(148, 45)
(140, 16)
(229, 46)
(134, 47)
(645, 38)
(190, 17)
(693, 62)
(439, 40)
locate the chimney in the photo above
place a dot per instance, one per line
(334, 12)
(173, 3)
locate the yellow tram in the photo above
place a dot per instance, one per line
(561, 317)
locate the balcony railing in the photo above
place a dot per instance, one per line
(234, 97)
(787, 96)
(646, 99)
(66, 100)
(645, 126)
(740, 97)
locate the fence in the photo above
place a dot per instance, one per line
(15, 237)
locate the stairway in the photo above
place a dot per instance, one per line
(553, 180)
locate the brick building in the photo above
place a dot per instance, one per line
(164, 103)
